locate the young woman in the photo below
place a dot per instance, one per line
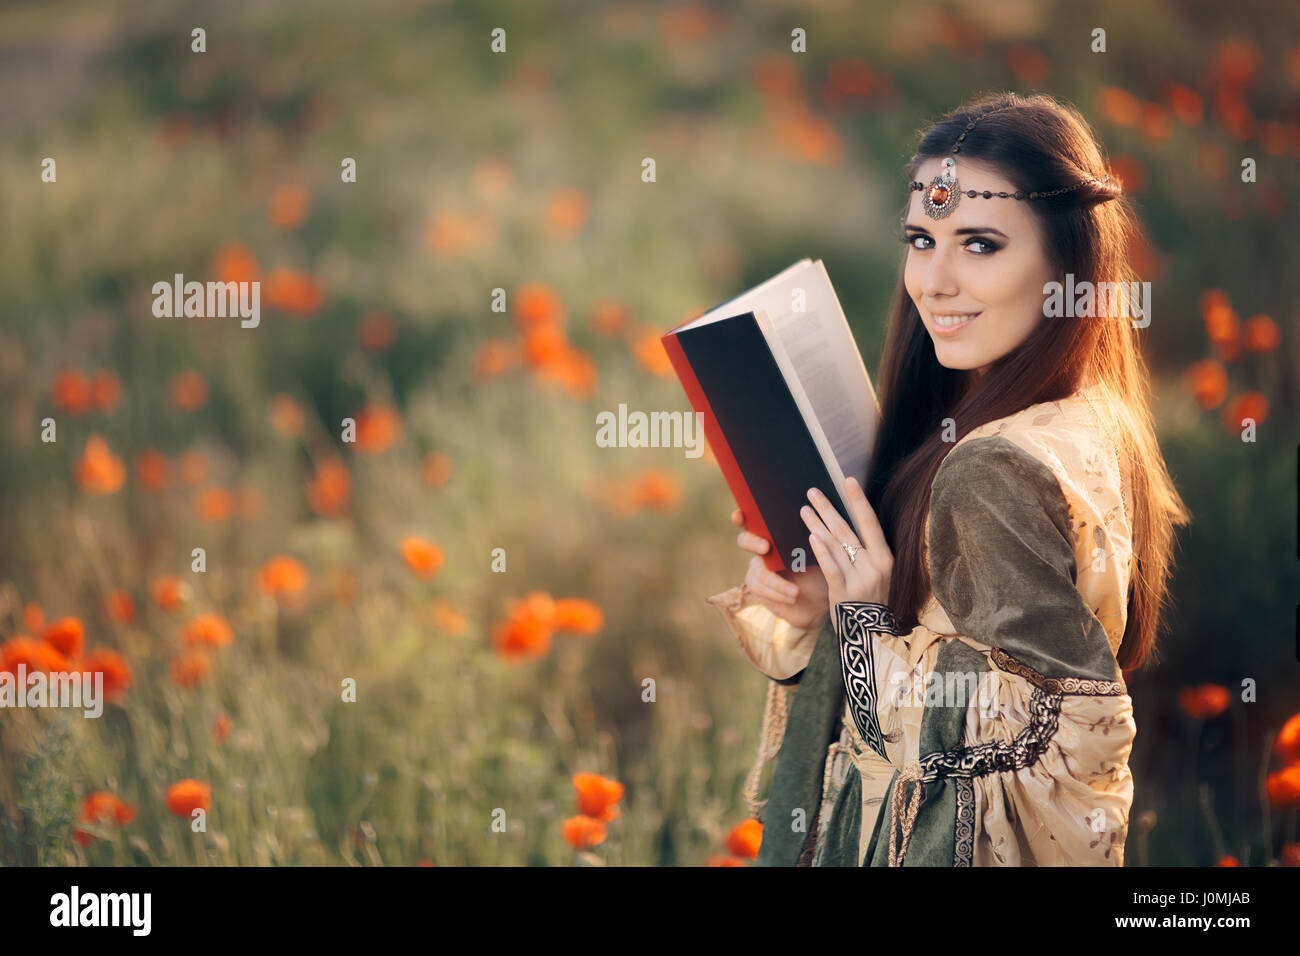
(949, 690)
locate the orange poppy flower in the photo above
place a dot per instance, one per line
(573, 370)
(214, 505)
(544, 344)
(537, 304)
(437, 468)
(578, 615)
(1291, 854)
(116, 671)
(1208, 381)
(1288, 741)
(1029, 64)
(190, 668)
(288, 207)
(745, 839)
(1252, 405)
(609, 318)
(286, 416)
(1205, 701)
(282, 575)
(330, 488)
(655, 489)
(193, 468)
(597, 795)
(805, 136)
(378, 426)
(1130, 172)
(221, 728)
(447, 618)
(1119, 105)
(528, 628)
(169, 592)
(186, 796)
(723, 860)
(119, 606)
(493, 177)
(248, 502)
(1262, 334)
(492, 358)
(33, 617)
(102, 808)
(292, 291)
(566, 212)
(212, 630)
(234, 263)
(1156, 124)
(66, 636)
(449, 233)
(36, 655)
(189, 390)
(99, 471)
(1186, 104)
(71, 392)
(106, 390)
(1283, 787)
(583, 832)
(377, 332)
(1227, 860)
(1234, 64)
(151, 469)
(649, 352)
(421, 557)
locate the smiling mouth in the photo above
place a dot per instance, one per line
(947, 323)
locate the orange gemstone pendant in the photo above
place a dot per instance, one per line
(940, 198)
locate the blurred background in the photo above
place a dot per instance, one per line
(501, 718)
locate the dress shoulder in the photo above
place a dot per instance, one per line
(1072, 441)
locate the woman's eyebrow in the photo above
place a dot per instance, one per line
(968, 231)
(980, 229)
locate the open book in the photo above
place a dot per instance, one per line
(786, 400)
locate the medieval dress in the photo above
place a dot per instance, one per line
(997, 732)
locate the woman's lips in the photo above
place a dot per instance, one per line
(945, 331)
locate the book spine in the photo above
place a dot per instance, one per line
(722, 451)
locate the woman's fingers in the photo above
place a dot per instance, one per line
(837, 526)
(828, 541)
(738, 518)
(865, 518)
(752, 542)
(767, 584)
(829, 565)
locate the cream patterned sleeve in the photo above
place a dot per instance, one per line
(772, 644)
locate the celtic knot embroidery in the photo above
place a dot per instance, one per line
(857, 619)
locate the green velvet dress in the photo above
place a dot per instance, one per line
(996, 732)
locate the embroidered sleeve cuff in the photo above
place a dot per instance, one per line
(867, 616)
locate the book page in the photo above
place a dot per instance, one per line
(817, 346)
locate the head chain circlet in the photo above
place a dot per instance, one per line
(940, 198)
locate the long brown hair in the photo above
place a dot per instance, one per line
(1039, 146)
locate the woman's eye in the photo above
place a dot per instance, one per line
(987, 247)
(918, 241)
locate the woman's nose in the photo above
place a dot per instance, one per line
(939, 278)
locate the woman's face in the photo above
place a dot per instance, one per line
(981, 269)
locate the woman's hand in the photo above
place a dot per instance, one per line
(866, 576)
(799, 597)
